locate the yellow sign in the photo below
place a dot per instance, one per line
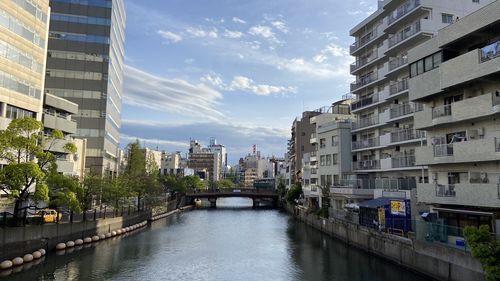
(381, 216)
(398, 208)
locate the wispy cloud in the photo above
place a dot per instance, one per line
(232, 34)
(262, 31)
(147, 90)
(238, 20)
(245, 84)
(280, 25)
(170, 36)
(201, 33)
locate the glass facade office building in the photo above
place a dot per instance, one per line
(85, 65)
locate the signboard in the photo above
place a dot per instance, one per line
(381, 217)
(398, 208)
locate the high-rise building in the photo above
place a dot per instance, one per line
(23, 50)
(85, 65)
(384, 136)
(456, 76)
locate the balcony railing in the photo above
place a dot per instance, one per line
(314, 171)
(363, 40)
(441, 150)
(397, 62)
(489, 52)
(404, 34)
(403, 10)
(398, 86)
(366, 143)
(407, 134)
(365, 122)
(445, 190)
(441, 111)
(364, 61)
(496, 98)
(365, 101)
(497, 145)
(366, 165)
(400, 110)
(364, 80)
(313, 154)
(402, 162)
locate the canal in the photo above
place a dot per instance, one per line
(232, 242)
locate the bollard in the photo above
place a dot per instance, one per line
(71, 216)
(95, 214)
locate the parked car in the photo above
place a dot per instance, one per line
(49, 215)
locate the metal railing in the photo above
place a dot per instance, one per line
(364, 61)
(441, 150)
(404, 34)
(397, 62)
(363, 40)
(364, 80)
(445, 190)
(495, 98)
(366, 143)
(441, 111)
(386, 184)
(398, 86)
(404, 161)
(313, 154)
(489, 52)
(401, 110)
(403, 10)
(365, 101)
(366, 165)
(365, 122)
(406, 134)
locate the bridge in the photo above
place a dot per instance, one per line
(257, 195)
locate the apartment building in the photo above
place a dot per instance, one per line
(330, 160)
(85, 65)
(204, 162)
(384, 136)
(299, 143)
(456, 75)
(57, 115)
(23, 50)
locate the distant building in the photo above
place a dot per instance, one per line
(154, 156)
(206, 161)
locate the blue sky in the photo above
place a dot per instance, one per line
(239, 71)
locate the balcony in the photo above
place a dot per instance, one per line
(403, 10)
(398, 86)
(482, 106)
(365, 122)
(366, 59)
(364, 80)
(366, 165)
(476, 150)
(363, 40)
(410, 35)
(406, 135)
(365, 102)
(66, 167)
(60, 122)
(465, 194)
(362, 144)
(404, 109)
(379, 183)
(313, 138)
(403, 162)
(397, 62)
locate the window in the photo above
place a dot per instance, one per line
(322, 143)
(16, 112)
(334, 159)
(322, 160)
(335, 140)
(426, 64)
(475, 1)
(328, 160)
(447, 18)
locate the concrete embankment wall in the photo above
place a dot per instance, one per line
(17, 241)
(431, 259)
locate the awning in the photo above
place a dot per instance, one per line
(375, 203)
(461, 211)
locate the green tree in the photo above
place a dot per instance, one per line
(90, 189)
(63, 191)
(486, 248)
(193, 182)
(224, 184)
(29, 161)
(116, 191)
(281, 187)
(294, 192)
(135, 171)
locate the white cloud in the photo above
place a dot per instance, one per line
(245, 84)
(170, 36)
(238, 20)
(200, 33)
(146, 90)
(153, 141)
(280, 25)
(232, 34)
(262, 31)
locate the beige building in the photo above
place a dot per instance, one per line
(456, 75)
(23, 50)
(384, 136)
(154, 156)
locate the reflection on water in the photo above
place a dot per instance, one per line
(232, 242)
